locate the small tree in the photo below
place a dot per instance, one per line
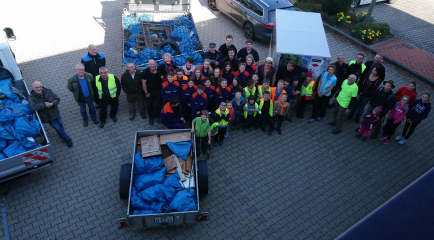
(368, 18)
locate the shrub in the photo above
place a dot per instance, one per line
(361, 17)
(306, 6)
(334, 7)
(366, 35)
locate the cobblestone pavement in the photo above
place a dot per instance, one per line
(305, 184)
(409, 20)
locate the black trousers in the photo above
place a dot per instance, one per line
(114, 104)
(390, 127)
(249, 121)
(277, 118)
(203, 143)
(153, 103)
(301, 107)
(220, 135)
(320, 106)
(95, 91)
(412, 126)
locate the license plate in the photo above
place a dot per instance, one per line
(167, 219)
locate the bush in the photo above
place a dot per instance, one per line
(366, 35)
(361, 18)
(334, 7)
(306, 6)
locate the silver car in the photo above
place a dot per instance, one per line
(255, 16)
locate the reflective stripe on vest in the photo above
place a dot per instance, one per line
(214, 129)
(222, 123)
(307, 91)
(261, 104)
(111, 85)
(254, 114)
(363, 69)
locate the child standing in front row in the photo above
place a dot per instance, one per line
(231, 115)
(280, 111)
(293, 91)
(250, 111)
(237, 105)
(200, 126)
(370, 121)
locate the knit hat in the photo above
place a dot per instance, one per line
(309, 74)
(378, 109)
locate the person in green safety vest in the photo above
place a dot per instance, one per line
(250, 90)
(221, 116)
(250, 110)
(200, 126)
(356, 67)
(109, 89)
(266, 105)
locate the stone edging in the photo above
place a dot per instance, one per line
(385, 57)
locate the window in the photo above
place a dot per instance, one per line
(244, 3)
(256, 8)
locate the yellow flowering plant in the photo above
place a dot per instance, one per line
(365, 35)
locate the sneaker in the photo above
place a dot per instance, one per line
(228, 134)
(403, 141)
(318, 119)
(85, 124)
(151, 121)
(279, 131)
(221, 144)
(374, 136)
(132, 116)
(158, 120)
(311, 120)
(357, 120)
(101, 124)
(256, 127)
(95, 121)
(97, 105)
(336, 131)
(244, 130)
(398, 138)
(386, 141)
(232, 128)
(349, 117)
(332, 123)
(382, 138)
(263, 129)
(69, 142)
(114, 119)
(143, 115)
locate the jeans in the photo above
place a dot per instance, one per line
(58, 126)
(153, 103)
(83, 112)
(277, 118)
(412, 127)
(262, 119)
(237, 118)
(114, 104)
(338, 116)
(132, 99)
(359, 106)
(320, 106)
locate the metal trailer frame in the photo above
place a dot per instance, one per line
(14, 166)
(179, 218)
(128, 8)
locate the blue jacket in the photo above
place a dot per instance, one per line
(229, 77)
(187, 93)
(289, 90)
(222, 95)
(418, 111)
(93, 63)
(210, 93)
(242, 78)
(169, 90)
(238, 108)
(199, 102)
(168, 116)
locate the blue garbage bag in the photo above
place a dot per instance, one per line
(146, 18)
(5, 88)
(143, 181)
(3, 144)
(173, 181)
(15, 148)
(22, 106)
(181, 149)
(180, 34)
(137, 202)
(5, 134)
(6, 114)
(147, 165)
(158, 193)
(184, 201)
(2, 156)
(23, 128)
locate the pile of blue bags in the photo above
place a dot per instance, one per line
(184, 33)
(153, 193)
(15, 130)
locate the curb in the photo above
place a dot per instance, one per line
(385, 57)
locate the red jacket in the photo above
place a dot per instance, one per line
(402, 91)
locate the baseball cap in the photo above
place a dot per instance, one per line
(212, 44)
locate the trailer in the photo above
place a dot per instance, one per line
(34, 158)
(197, 180)
(148, 27)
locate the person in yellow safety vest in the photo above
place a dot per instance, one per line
(266, 106)
(356, 67)
(214, 130)
(221, 116)
(306, 94)
(250, 110)
(262, 89)
(250, 90)
(109, 89)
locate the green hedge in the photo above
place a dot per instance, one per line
(333, 7)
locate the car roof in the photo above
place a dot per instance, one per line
(275, 4)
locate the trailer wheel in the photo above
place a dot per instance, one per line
(124, 180)
(174, 46)
(202, 177)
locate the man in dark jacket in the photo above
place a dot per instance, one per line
(382, 97)
(224, 48)
(109, 89)
(80, 85)
(92, 61)
(170, 115)
(232, 59)
(341, 72)
(377, 62)
(287, 71)
(356, 67)
(131, 82)
(213, 55)
(45, 102)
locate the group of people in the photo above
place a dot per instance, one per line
(232, 90)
